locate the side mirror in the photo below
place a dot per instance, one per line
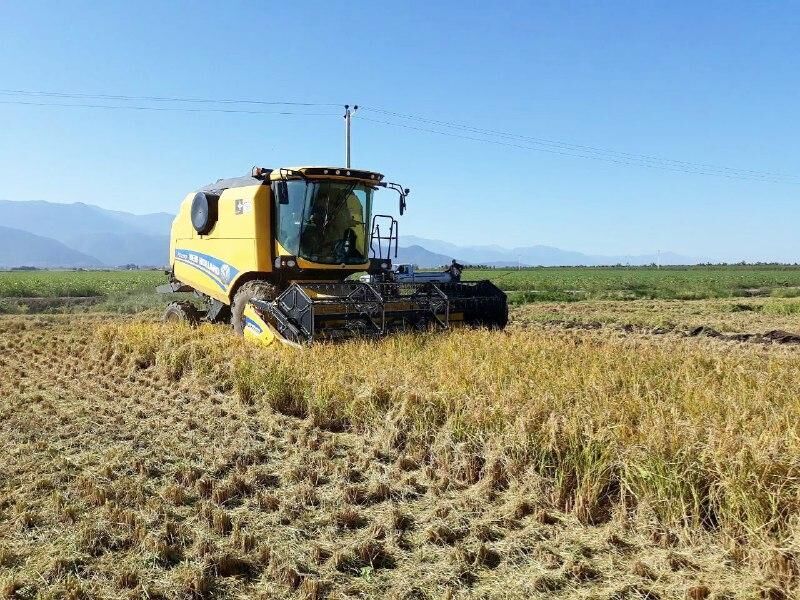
(283, 193)
(405, 193)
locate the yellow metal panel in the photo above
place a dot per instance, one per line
(236, 214)
(256, 328)
(262, 214)
(182, 229)
(238, 243)
(307, 264)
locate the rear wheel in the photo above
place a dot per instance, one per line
(183, 312)
(260, 290)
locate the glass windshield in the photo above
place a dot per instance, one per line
(324, 221)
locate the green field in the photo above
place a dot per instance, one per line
(50, 284)
(629, 283)
(60, 291)
(129, 291)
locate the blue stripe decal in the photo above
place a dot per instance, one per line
(248, 322)
(219, 271)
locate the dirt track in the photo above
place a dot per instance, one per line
(774, 336)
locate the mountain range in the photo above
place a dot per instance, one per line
(18, 248)
(54, 235)
(538, 255)
(87, 235)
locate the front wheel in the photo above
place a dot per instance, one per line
(181, 312)
(260, 290)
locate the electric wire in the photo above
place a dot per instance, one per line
(576, 155)
(159, 98)
(171, 108)
(577, 147)
(508, 139)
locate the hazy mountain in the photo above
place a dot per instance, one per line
(21, 248)
(541, 255)
(471, 254)
(152, 223)
(113, 237)
(117, 249)
(420, 256)
(57, 220)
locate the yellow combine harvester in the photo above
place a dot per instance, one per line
(271, 254)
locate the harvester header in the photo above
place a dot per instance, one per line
(275, 254)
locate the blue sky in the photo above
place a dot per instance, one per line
(712, 82)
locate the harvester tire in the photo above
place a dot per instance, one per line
(261, 290)
(183, 312)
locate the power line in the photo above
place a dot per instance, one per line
(574, 147)
(159, 98)
(576, 155)
(706, 167)
(170, 108)
(513, 140)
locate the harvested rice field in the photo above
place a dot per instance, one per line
(592, 450)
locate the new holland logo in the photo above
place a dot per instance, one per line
(252, 325)
(217, 270)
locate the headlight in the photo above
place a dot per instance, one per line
(291, 263)
(384, 265)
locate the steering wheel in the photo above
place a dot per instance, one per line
(345, 247)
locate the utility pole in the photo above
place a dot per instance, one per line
(347, 118)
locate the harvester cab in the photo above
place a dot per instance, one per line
(273, 254)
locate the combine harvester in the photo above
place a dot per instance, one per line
(271, 254)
